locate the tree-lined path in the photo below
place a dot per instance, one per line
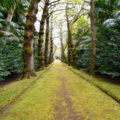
(62, 95)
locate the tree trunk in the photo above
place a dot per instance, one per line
(72, 56)
(41, 36)
(62, 51)
(71, 51)
(94, 40)
(72, 48)
(69, 38)
(10, 15)
(54, 53)
(75, 48)
(28, 40)
(46, 41)
(51, 43)
(61, 40)
(74, 52)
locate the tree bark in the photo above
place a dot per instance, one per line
(61, 41)
(94, 40)
(46, 41)
(72, 56)
(28, 40)
(74, 52)
(41, 35)
(69, 41)
(75, 47)
(51, 43)
(54, 53)
(10, 15)
(71, 49)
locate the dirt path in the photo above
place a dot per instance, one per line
(62, 95)
(64, 103)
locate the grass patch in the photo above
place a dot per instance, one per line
(37, 102)
(111, 89)
(89, 102)
(62, 94)
(10, 92)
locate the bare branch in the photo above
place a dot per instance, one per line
(76, 17)
(85, 32)
(54, 2)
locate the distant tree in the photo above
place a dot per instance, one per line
(51, 42)
(41, 35)
(71, 49)
(94, 39)
(61, 40)
(47, 38)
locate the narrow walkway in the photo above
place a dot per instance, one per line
(62, 95)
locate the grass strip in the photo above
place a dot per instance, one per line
(113, 90)
(10, 92)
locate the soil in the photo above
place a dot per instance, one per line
(63, 108)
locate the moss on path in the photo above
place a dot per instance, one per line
(62, 95)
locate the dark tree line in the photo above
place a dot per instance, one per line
(43, 59)
(28, 55)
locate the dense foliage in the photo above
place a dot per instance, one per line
(11, 41)
(108, 40)
(12, 29)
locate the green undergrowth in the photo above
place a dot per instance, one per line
(10, 92)
(110, 88)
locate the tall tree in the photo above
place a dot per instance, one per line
(61, 40)
(46, 40)
(28, 39)
(55, 48)
(11, 5)
(51, 42)
(94, 39)
(76, 45)
(41, 36)
(10, 14)
(69, 39)
(71, 48)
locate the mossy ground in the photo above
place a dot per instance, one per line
(110, 88)
(10, 92)
(62, 95)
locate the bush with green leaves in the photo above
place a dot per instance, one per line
(11, 41)
(108, 48)
(10, 57)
